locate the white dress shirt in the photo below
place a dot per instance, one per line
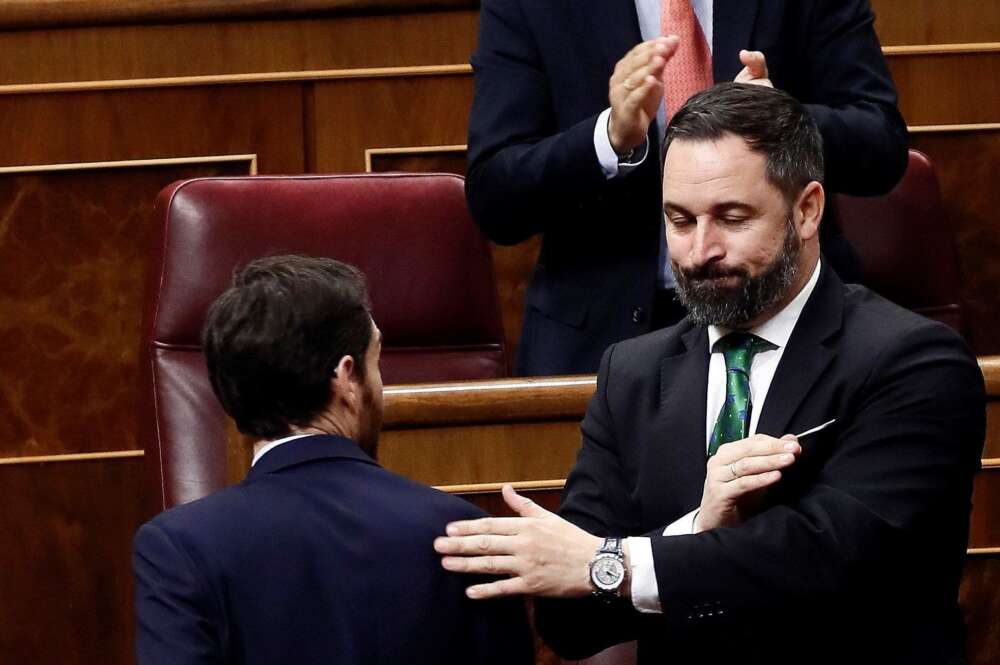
(776, 330)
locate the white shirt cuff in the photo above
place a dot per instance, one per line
(683, 526)
(645, 592)
(606, 155)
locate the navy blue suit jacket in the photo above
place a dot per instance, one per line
(541, 79)
(319, 556)
(855, 556)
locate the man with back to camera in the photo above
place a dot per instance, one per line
(319, 555)
(784, 476)
(571, 100)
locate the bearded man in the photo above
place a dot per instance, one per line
(784, 476)
(320, 556)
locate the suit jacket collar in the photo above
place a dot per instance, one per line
(307, 449)
(732, 26)
(807, 356)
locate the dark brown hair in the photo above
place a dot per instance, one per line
(773, 123)
(272, 341)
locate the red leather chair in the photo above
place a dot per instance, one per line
(430, 277)
(906, 244)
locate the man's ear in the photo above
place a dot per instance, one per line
(345, 384)
(808, 210)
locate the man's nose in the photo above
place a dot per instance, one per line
(707, 246)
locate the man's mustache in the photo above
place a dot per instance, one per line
(711, 271)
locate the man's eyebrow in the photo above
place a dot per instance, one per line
(716, 210)
(731, 206)
(669, 207)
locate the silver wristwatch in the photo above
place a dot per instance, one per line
(607, 569)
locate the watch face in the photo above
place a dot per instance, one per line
(607, 572)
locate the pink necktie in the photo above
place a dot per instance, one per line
(690, 70)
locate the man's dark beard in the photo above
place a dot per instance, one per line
(710, 303)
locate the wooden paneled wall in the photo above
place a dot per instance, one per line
(168, 89)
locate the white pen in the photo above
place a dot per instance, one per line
(816, 429)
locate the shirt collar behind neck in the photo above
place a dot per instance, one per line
(777, 329)
(271, 445)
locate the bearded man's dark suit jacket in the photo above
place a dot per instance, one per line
(854, 557)
(541, 80)
(319, 556)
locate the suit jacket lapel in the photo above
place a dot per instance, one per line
(806, 357)
(681, 426)
(732, 26)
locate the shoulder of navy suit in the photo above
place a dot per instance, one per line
(290, 456)
(320, 448)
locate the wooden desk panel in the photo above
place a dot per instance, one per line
(485, 431)
(901, 22)
(482, 453)
(945, 88)
(65, 561)
(221, 46)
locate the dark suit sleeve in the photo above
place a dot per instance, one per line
(522, 167)
(597, 500)
(177, 618)
(899, 470)
(849, 91)
(499, 632)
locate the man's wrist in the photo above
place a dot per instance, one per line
(695, 525)
(625, 153)
(608, 570)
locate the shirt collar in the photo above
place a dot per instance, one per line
(779, 327)
(271, 445)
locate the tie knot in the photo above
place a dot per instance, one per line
(739, 348)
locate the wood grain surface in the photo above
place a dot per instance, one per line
(903, 22)
(21, 14)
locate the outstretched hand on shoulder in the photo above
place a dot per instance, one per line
(543, 554)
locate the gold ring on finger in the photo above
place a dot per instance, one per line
(732, 470)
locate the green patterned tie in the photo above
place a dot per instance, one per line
(733, 423)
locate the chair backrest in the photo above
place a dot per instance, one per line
(906, 243)
(430, 278)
